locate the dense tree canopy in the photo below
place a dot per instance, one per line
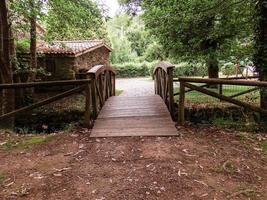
(74, 19)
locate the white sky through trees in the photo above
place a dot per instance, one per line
(112, 5)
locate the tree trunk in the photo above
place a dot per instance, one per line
(260, 56)
(6, 67)
(33, 41)
(213, 68)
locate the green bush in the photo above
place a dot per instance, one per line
(132, 69)
(228, 69)
(142, 69)
(190, 69)
(23, 46)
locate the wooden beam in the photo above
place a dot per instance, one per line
(181, 104)
(42, 103)
(225, 98)
(44, 83)
(224, 82)
(244, 92)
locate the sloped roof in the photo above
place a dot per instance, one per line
(71, 48)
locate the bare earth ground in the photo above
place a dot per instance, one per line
(204, 163)
(135, 86)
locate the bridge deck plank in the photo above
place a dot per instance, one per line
(134, 116)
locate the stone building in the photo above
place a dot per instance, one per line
(64, 60)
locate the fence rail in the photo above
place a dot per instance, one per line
(98, 86)
(164, 87)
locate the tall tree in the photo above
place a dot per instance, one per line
(197, 29)
(260, 56)
(5, 62)
(74, 19)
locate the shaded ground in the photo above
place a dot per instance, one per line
(135, 86)
(204, 163)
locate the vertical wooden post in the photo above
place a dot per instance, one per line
(181, 104)
(87, 115)
(94, 96)
(113, 85)
(220, 89)
(170, 86)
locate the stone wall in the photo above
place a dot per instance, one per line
(67, 67)
(86, 61)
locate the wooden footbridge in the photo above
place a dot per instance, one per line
(134, 116)
(112, 116)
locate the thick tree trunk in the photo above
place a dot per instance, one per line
(213, 68)
(33, 41)
(6, 67)
(260, 56)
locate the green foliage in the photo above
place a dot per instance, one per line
(13, 143)
(118, 92)
(2, 178)
(131, 41)
(190, 69)
(228, 69)
(132, 69)
(23, 46)
(74, 19)
(264, 146)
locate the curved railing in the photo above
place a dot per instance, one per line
(102, 87)
(98, 85)
(163, 80)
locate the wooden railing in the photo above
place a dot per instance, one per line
(163, 77)
(103, 86)
(163, 81)
(98, 87)
(186, 82)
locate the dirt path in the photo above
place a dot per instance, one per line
(135, 86)
(201, 164)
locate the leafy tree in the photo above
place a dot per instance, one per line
(138, 36)
(260, 57)
(117, 32)
(6, 74)
(194, 29)
(74, 19)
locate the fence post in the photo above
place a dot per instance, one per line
(94, 96)
(181, 104)
(87, 115)
(170, 86)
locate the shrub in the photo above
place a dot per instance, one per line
(132, 69)
(190, 69)
(228, 69)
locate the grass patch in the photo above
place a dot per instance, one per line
(264, 146)
(11, 143)
(2, 178)
(198, 97)
(118, 92)
(227, 167)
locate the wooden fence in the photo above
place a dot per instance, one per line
(163, 77)
(98, 86)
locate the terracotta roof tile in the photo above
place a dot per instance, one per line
(71, 47)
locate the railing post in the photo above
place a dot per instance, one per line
(170, 86)
(94, 97)
(181, 104)
(87, 115)
(113, 84)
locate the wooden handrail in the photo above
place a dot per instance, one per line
(227, 78)
(98, 69)
(102, 87)
(45, 83)
(163, 80)
(224, 81)
(99, 85)
(164, 65)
